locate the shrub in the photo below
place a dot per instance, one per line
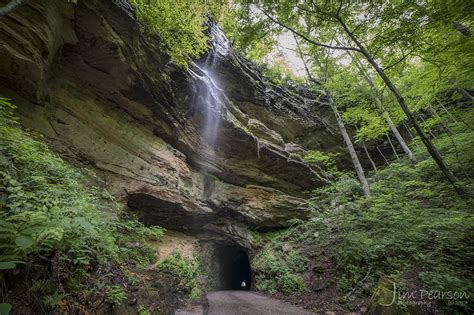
(326, 161)
(115, 295)
(277, 270)
(44, 206)
(289, 283)
(187, 272)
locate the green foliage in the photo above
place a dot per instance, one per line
(279, 72)
(187, 272)
(425, 48)
(279, 265)
(133, 242)
(49, 217)
(115, 295)
(180, 24)
(327, 161)
(54, 299)
(44, 206)
(142, 310)
(5, 308)
(414, 221)
(246, 33)
(275, 272)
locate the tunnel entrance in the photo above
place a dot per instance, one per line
(234, 272)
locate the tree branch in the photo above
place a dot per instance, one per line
(11, 6)
(340, 7)
(401, 59)
(309, 40)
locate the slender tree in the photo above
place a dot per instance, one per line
(385, 114)
(392, 146)
(369, 157)
(342, 128)
(331, 16)
(350, 147)
(383, 156)
(401, 101)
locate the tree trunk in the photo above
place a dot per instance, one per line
(385, 114)
(383, 156)
(443, 121)
(11, 6)
(429, 130)
(391, 145)
(446, 129)
(401, 101)
(367, 153)
(408, 131)
(399, 137)
(368, 156)
(452, 117)
(350, 147)
(342, 128)
(447, 112)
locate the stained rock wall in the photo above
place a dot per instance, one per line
(105, 96)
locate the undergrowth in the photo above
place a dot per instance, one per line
(187, 272)
(57, 244)
(414, 221)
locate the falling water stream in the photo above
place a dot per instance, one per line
(209, 97)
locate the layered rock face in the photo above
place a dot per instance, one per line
(104, 94)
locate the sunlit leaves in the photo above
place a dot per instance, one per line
(180, 25)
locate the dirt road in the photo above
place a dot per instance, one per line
(248, 303)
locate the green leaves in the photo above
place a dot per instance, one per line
(8, 265)
(186, 270)
(24, 242)
(180, 25)
(46, 213)
(327, 161)
(5, 308)
(414, 222)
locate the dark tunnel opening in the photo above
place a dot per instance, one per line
(235, 271)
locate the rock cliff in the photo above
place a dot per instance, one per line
(105, 96)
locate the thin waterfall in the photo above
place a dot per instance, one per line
(209, 97)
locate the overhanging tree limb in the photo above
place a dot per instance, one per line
(306, 38)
